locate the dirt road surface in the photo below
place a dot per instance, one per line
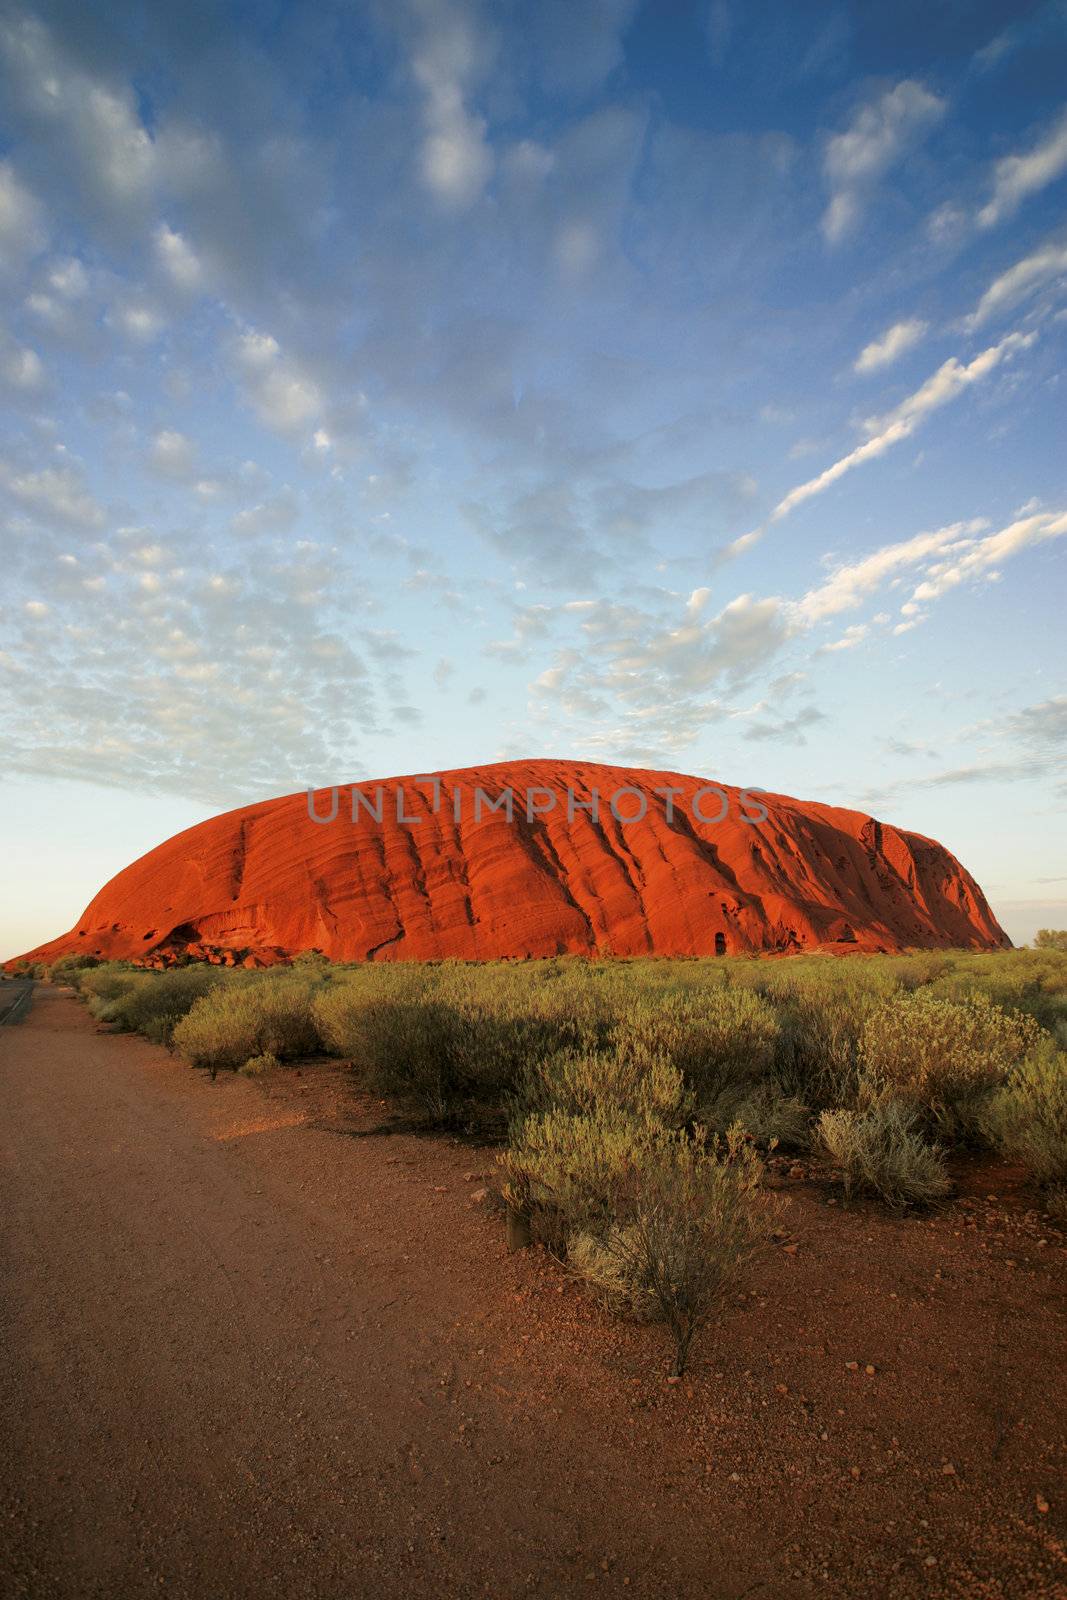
(249, 1356)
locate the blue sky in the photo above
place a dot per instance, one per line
(396, 386)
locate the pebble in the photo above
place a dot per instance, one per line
(1041, 1503)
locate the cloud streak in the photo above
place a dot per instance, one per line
(950, 380)
(880, 134)
(890, 346)
(1033, 272)
(1017, 177)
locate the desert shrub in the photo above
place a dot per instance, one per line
(1027, 1118)
(921, 968)
(571, 1165)
(819, 1052)
(451, 1045)
(67, 968)
(1033, 982)
(249, 1016)
(687, 1217)
(153, 1003)
(311, 961)
(652, 1090)
(1051, 939)
(881, 1151)
(255, 1066)
(943, 1057)
(764, 1111)
(107, 981)
(715, 1038)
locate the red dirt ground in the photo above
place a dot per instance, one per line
(267, 881)
(250, 1353)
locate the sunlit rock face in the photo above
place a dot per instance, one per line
(592, 860)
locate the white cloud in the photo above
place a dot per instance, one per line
(1032, 272)
(950, 380)
(656, 668)
(455, 160)
(20, 367)
(177, 258)
(173, 455)
(22, 231)
(851, 637)
(68, 278)
(55, 494)
(276, 515)
(1041, 725)
(982, 557)
(1017, 177)
(105, 133)
(947, 225)
(58, 300)
(137, 320)
(849, 585)
(890, 346)
(879, 135)
(284, 396)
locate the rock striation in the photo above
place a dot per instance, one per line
(592, 860)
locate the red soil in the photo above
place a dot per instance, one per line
(266, 881)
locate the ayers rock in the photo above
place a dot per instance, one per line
(267, 881)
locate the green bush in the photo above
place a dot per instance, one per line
(27, 969)
(1027, 1118)
(944, 1057)
(255, 1066)
(881, 1151)
(1033, 982)
(573, 1165)
(153, 1003)
(249, 1016)
(107, 982)
(922, 968)
(716, 1037)
(651, 1090)
(449, 1045)
(765, 1112)
(687, 1216)
(821, 1016)
(67, 968)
